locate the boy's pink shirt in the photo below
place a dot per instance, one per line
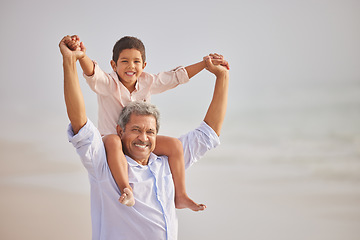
(113, 96)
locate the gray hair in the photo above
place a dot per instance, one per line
(139, 108)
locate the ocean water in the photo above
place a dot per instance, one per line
(312, 125)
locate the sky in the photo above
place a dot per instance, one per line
(282, 55)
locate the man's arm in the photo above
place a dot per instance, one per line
(74, 99)
(216, 112)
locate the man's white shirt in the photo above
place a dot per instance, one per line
(153, 216)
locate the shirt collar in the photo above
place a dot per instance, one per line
(133, 163)
(115, 76)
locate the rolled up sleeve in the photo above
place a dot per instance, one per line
(100, 82)
(167, 80)
(89, 146)
(197, 142)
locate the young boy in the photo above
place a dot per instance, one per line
(127, 83)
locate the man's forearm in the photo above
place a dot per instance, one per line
(74, 99)
(216, 113)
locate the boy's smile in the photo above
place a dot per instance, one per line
(129, 67)
(130, 73)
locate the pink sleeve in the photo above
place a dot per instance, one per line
(167, 80)
(100, 82)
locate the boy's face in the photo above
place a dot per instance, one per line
(129, 66)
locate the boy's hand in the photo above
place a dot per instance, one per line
(78, 53)
(218, 59)
(217, 69)
(73, 43)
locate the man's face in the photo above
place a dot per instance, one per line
(139, 137)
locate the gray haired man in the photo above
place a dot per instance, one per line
(153, 216)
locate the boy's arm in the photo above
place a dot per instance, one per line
(86, 63)
(74, 99)
(216, 112)
(100, 82)
(194, 69)
(168, 80)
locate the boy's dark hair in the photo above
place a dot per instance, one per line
(128, 43)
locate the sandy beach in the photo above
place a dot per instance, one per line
(33, 208)
(43, 199)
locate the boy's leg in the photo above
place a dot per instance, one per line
(172, 147)
(119, 168)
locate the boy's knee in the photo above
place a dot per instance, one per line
(177, 145)
(112, 140)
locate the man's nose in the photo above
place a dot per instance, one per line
(143, 137)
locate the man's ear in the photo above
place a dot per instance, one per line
(119, 130)
(113, 65)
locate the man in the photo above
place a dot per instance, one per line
(153, 216)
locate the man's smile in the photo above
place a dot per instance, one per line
(141, 145)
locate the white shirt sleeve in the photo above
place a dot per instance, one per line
(197, 142)
(90, 147)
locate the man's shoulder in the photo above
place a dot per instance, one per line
(197, 142)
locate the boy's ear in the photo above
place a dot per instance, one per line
(144, 65)
(119, 130)
(113, 65)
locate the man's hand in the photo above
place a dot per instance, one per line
(218, 59)
(77, 53)
(214, 67)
